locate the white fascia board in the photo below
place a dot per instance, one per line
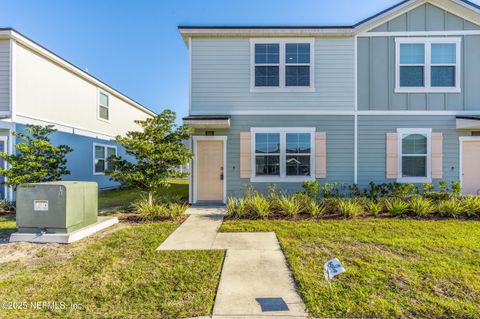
(457, 7)
(63, 127)
(265, 32)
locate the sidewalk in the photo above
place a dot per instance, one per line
(255, 280)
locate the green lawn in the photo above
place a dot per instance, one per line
(121, 276)
(394, 268)
(7, 224)
(124, 197)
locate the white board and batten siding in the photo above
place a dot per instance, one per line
(4, 76)
(220, 78)
(46, 91)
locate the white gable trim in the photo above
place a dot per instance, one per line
(456, 7)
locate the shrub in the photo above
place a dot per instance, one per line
(331, 205)
(471, 205)
(372, 191)
(150, 211)
(314, 208)
(427, 188)
(233, 207)
(442, 186)
(355, 190)
(176, 210)
(373, 207)
(402, 190)
(451, 207)
(330, 190)
(290, 205)
(437, 196)
(349, 208)
(456, 188)
(259, 205)
(421, 206)
(6, 206)
(396, 207)
(170, 198)
(311, 188)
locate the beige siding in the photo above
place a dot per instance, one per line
(4, 75)
(221, 79)
(48, 92)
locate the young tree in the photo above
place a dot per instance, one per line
(158, 152)
(37, 159)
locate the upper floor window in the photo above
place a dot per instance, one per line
(282, 65)
(103, 106)
(427, 65)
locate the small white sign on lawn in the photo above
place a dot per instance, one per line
(331, 269)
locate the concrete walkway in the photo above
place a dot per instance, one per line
(255, 280)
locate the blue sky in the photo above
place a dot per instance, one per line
(134, 45)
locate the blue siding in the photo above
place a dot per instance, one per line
(376, 65)
(80, 161)
(372, 132)
(426, 17)
(221, 78)
(340, 148)
(376, 79)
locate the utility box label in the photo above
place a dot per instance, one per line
(40, 205)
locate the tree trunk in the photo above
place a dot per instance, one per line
(150, 198)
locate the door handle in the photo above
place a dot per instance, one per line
(221, 176)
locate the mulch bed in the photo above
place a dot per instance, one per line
(306, 217)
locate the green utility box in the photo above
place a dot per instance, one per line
(56, 207)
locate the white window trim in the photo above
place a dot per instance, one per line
(415, 180)
(105, 146)
(106, 106)
(427, 65)
(282, 65)
(283, 178)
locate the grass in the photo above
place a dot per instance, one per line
(7, 224)
(121, 276)
(394, 268)
(123, 197)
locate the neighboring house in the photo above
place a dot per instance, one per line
(39, 87)
(395, 97)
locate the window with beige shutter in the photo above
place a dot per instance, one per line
(282, 154)
(413, 153)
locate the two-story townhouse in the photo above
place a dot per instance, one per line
(394, 97)
(39, 87)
